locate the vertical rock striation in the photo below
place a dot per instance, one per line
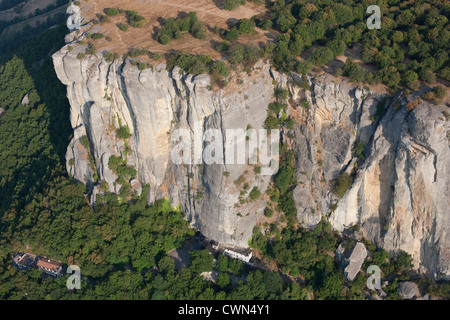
(153, 103)
(400, 195)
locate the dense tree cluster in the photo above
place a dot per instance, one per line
(412, 44)
(299, 252)
(192, 64)
(174, 28)
(135, 20)
(244, 26)
(309, 254)
(233, 4)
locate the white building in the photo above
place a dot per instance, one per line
(240, 254)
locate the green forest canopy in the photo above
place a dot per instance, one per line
(41, 207)
(413, 42)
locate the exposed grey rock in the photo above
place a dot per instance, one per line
(338, 116)
(26, 100)
(351, 260)
(400, 194)
(401, 191)
(424, 297)
(136, 187)
(407, 289)
(153, 103)
(78, 164)
(356, 260)
(2, 111)
(339, 254)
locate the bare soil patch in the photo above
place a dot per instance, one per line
(155, 11)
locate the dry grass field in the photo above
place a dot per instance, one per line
(155, 11)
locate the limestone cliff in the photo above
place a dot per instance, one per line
(400, 195)
(152, 103)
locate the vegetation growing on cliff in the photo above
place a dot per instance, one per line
(299, 252)
(342, 183)
(116, 243)
(113, 244)
(191, 64)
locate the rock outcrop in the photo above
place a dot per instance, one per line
(407, 289)
(351, 260)
(26, 100)
(400, 194)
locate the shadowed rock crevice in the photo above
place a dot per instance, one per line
(397, 190)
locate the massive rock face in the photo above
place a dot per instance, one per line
(400, 194)
(153, 103)
(338, 116)
(351, 260)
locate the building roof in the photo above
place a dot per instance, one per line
(243, 251)
(49, 264)
(24, 259)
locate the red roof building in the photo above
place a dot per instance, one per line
(50, 266)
